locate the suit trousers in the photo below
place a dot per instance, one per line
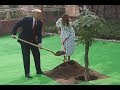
(26, 57)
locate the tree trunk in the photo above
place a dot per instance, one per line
(92, 8)
(97, 9)
(86, 61)
(104, 11)
(116, 11)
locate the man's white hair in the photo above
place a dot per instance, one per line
(36, 10)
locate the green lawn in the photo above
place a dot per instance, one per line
(104, 58)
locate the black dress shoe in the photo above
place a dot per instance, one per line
(28, 76)
(38, 73)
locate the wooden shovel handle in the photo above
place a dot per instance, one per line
(34, 44)
(48, 50)
(27, 42)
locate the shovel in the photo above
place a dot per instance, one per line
(58, 53)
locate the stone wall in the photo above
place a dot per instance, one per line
(6, 26)
(107, 11)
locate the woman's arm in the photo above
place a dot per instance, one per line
(58, 25)
(59, 30)
(64, 41)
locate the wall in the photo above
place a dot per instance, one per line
(6, 26)
(107, 11)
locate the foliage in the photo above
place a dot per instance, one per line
(111, 30)
(50, 28)
(87, 26)
(13, 15)
(13, 6)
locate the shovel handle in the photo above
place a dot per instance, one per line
(33, 44)
(27, 42)
(48, 50)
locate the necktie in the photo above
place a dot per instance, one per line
(34, 29)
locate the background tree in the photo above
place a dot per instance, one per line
(13, 6)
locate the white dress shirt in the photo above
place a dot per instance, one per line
(33, 22)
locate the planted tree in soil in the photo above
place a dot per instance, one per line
(87, 27)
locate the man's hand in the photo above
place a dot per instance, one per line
(13, 36)
(40, 45)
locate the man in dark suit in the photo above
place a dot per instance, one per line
(31, 32)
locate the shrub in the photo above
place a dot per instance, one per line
(50, 28)
(111, 30)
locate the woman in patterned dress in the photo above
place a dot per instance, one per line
(67, 34)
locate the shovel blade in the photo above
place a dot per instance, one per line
(59, 53)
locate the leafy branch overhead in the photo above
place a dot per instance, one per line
(87, 26)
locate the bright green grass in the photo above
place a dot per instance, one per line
(103, 58)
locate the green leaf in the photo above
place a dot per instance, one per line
(87, 26)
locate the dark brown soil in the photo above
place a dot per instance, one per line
(72, 72)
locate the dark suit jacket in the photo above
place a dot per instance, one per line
(27, 33)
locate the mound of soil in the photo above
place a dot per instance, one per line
(71, 72)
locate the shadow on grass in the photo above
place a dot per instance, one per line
(21, 80)
(36, 80)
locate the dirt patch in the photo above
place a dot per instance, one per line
(71, 72)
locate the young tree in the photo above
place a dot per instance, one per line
(87, 27)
